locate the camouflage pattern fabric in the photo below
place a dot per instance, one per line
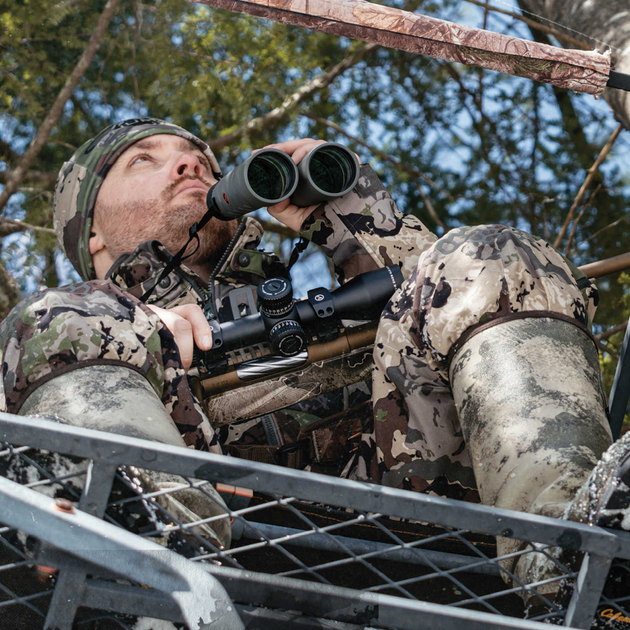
(80, 179)
(579, 70)
(95, 323)
(364, 230)
(468, 277)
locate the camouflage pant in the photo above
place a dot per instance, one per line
(469, 276)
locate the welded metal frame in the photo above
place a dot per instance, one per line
(327, 603)
(620, 390)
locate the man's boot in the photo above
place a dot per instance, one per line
(118, 400)
(532, 409)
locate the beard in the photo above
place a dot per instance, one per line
(126, 227)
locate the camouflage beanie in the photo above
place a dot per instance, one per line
(80, 179)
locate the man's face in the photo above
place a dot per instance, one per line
(156, 190)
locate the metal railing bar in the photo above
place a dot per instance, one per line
(249, 529)
(310, 486)
(523, 587)
(121, 552)
(16, 565)
(140, 601)
(344, 604)
(48, 482)
(20, 600)
(587, 591)
(11, 450)
(512, 591)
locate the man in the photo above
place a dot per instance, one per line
(486, 382)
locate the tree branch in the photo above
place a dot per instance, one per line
(291, 102)
(587, 182)
(605, 348)
(56, 110)
(33, 178)
(10, 226)
(586, 206)
(611, 331)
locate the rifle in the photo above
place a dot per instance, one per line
(293, 350)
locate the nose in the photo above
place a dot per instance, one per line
(187, 164)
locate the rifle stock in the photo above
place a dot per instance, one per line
(326, 367)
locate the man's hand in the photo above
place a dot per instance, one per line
(291, 215)
(188, 325)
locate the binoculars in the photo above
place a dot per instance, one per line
(270, 176)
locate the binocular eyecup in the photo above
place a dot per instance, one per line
(270, 176)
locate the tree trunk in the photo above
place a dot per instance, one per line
(608, 22)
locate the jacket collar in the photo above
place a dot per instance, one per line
(137, 272)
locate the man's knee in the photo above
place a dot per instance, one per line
(475, 274)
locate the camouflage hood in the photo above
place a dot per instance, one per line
(80, 179)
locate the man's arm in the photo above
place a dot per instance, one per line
(360, 231)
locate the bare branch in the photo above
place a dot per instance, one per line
(587, 182)
(607, 227)
(291, 102)
(586, 206)
(537, 25)
(41, 137)
(413, 173)
(10, 226)
(429, 205)
(606, 267)
(38, 178)
(611, 331)
(604, 347)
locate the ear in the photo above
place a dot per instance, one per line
(96, 242)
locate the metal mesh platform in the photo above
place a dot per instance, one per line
(306, 550)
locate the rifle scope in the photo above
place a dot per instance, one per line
(269, 176)
(282, 321)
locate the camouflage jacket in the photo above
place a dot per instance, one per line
(104, 322)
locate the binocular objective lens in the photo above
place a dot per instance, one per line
(332, 170)
(270, 177)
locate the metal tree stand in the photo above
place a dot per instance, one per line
(308, 551)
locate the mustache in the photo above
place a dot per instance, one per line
(170, 191)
